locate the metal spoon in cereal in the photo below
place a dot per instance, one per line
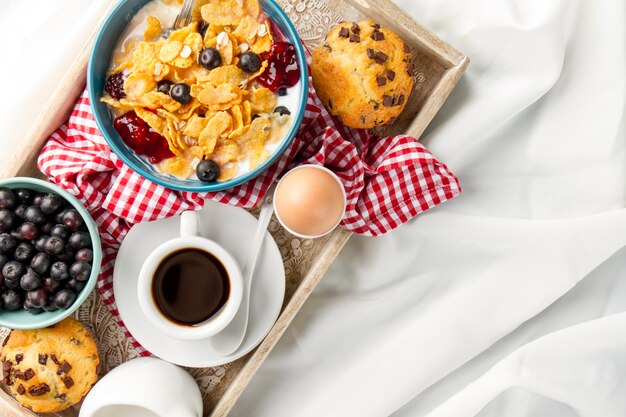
(183, 19)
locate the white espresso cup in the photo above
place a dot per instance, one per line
(190, 238)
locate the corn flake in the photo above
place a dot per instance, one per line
(263, 100)
(153, 30)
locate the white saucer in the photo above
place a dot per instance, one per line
(234, 229)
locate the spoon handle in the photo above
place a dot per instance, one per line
(228, 340)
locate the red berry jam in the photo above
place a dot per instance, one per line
(283, 70)
(141, 138)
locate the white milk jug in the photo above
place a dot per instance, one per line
(144, 387)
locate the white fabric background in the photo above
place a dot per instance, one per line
(509, 301)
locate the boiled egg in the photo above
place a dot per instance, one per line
(310, 201)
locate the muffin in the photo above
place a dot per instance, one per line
(51, 369)
(363, 74)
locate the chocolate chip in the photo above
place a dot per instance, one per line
(355, 28)
(328, 47)
(6, 365)
(410, 69)
(381, 81)
(43, 358)
(68, 381)
(354, 38)
(62, 397)
(387, 101)
(344, 33)
(54, 359)
(376, 105)
(39, 390)
(381, 57)
(376, 26)
(19, 358)
(400, 100)
(25, 376)
(65, 368)
(391, 75)
(21, 390)
(371, 54)
(377, 36)
(407, 49)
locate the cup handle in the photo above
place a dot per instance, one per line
(189, 224)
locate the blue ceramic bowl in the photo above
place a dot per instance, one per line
(21, 319)
(99, 62)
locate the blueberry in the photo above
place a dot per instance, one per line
(24, 252)
(40, 243)
(72, 219)
(164, 86)
(282, 91)
(249, 62)
(58, 218)
(64, 299)
(8, 200)
(41, 263)
(85, 255)
(7, 220)
(12, 284)
(3, 260)
(181, 93)
(13, 270)
(30, 280)
(51, 285)
(28, 231)
(54, 246)
(37, 199)
(24, 195)
(51, 203)
(67, 256)
(46, 228)
(210, 58)
(59, 272)
(7, 243)
(11, 300)
(208, 171)
(36, 298)
(79, 240)
(50, 305)
(20, 211)
(80, 271)
(282, 110)
(76, 286)
(59, 230)
(34, 215)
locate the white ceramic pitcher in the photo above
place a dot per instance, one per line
(144, 387)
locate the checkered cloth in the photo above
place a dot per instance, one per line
(388, 180)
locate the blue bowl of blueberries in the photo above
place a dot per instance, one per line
(50, 253)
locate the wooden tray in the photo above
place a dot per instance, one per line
(438, 68)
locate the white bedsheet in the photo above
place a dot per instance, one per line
(509, 301)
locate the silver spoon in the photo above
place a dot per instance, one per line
(182, 20)
(228, 340)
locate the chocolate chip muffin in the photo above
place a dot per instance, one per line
(51, 369)
(362, 73)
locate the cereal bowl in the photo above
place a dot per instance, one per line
(107, 45)
(23, 320)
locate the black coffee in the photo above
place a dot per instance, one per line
(190, 286)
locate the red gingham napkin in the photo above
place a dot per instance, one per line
(388, 180)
